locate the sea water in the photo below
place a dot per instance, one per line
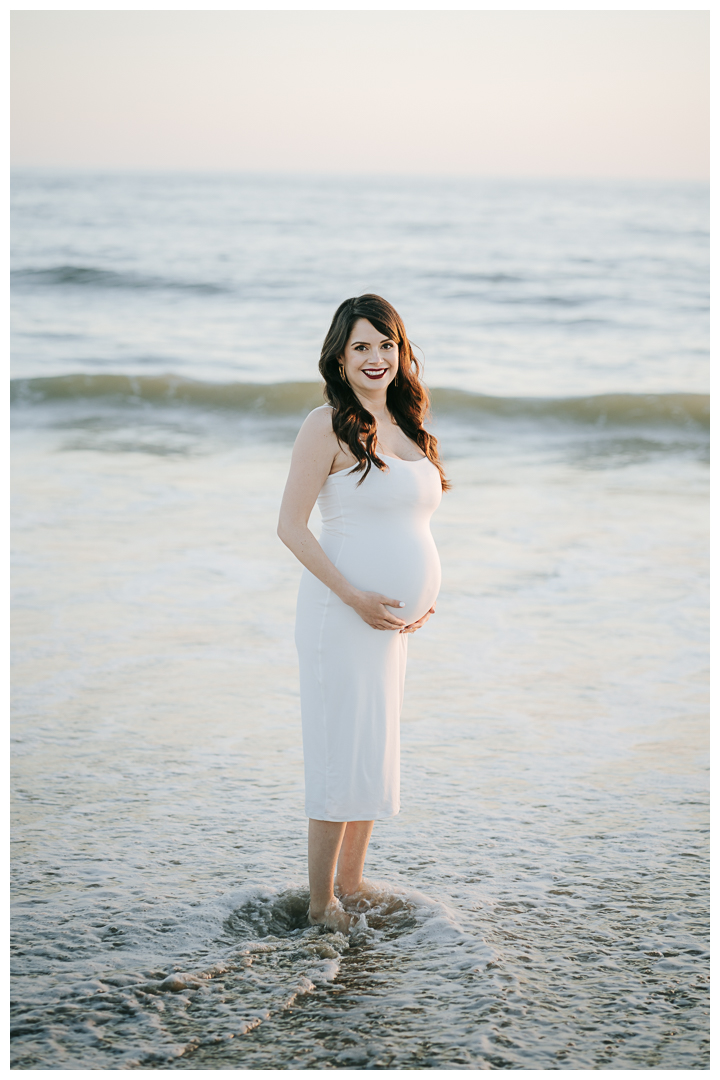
(541, 899)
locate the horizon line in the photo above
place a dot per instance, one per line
(213, 171)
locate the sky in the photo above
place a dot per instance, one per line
(485, 93)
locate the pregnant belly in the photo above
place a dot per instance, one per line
(407, 570)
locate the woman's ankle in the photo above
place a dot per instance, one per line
(333, 916)
(349, 888)
(319, 907)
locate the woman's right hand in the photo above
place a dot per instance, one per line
(373, 607)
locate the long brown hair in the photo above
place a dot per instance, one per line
(407, 399)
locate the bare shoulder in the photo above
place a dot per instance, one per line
(319, 420)
(316, 444)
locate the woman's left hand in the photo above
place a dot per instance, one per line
(421, 622)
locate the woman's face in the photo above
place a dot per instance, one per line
(371, 360)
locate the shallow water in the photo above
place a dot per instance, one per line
(541, 898)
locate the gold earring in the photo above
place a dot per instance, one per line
(396, 377)
(342, 371)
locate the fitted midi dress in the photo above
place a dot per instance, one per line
(352, 676)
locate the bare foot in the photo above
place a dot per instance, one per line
(360, 898)
(334, 916)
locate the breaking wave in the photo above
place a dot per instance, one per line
(673, 410)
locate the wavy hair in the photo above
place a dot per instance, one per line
(408, 401)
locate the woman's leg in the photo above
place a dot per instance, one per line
(324, 840)
(352, 856)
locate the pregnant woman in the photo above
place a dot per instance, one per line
(371, 580)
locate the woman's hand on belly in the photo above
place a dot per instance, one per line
(420, 622)
(373, 607)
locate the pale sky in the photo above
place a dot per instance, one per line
(487, 93)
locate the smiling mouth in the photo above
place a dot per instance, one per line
(374, 373)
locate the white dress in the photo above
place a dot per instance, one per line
(352, 677)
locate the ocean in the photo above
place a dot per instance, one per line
(541, 899)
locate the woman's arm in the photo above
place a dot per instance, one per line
(312, 459)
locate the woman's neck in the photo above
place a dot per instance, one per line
(375, 405)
